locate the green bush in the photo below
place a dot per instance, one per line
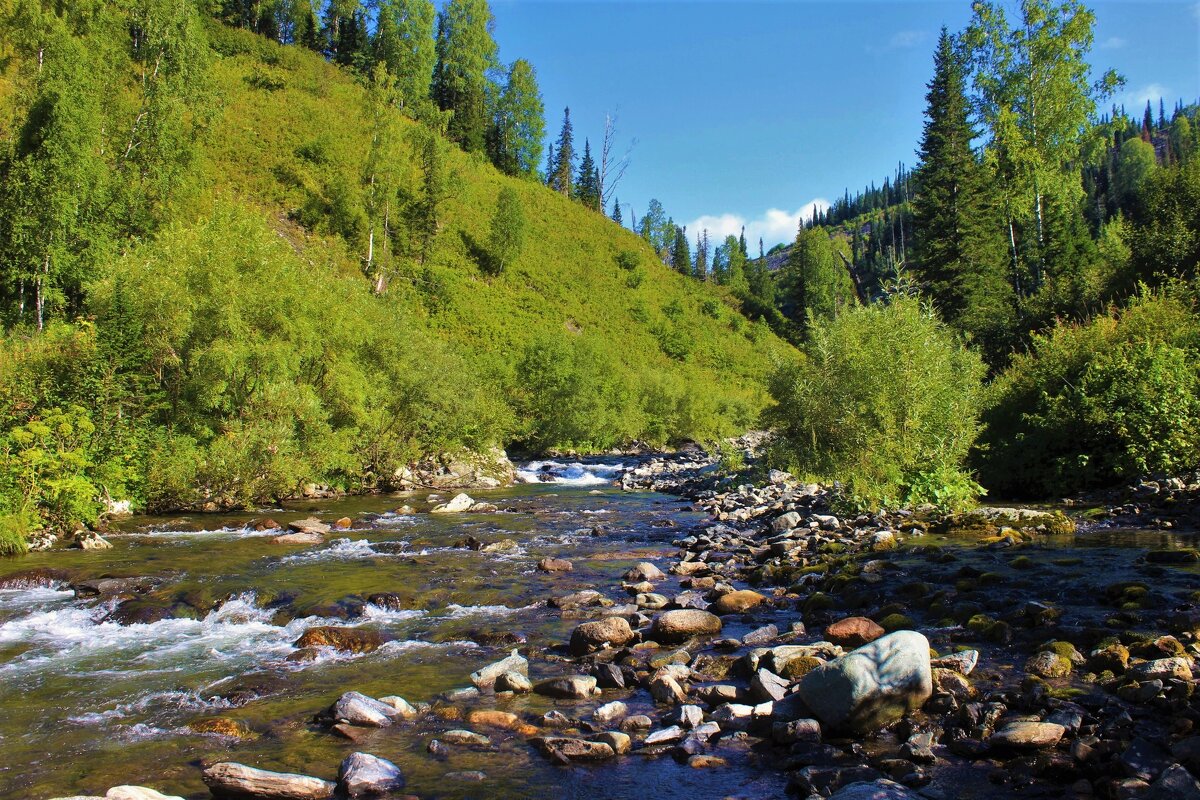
(886, 402)
(1097, 404)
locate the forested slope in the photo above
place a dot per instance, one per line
(230, 277)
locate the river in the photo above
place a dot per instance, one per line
(90, 703)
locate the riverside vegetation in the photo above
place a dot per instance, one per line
(290, 258)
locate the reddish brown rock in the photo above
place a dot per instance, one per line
(348, 640)
(853, 632)
(739, 602)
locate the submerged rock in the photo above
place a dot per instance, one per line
(228, 779)
(347, 640)
(872, 686)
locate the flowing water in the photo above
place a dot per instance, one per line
(89, 702)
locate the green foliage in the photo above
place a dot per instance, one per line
(519, 125)
(815, 281)
(465, 52)
(507, 235)
(886, 402)
(1097, 403)
(43, 470)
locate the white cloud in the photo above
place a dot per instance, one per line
(775, 225)
(1135, 100)
(905, 39)
(1112, 43)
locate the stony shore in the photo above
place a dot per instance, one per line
(852, 654)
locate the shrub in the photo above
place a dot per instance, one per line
(1097, 404)
(886, 401)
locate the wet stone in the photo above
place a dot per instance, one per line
(568, 687)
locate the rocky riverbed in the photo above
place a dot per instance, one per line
(745, 642)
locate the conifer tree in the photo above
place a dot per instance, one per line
(959, 253)
(550, 162)
(465, 52)
(818, 286)
(616, 212)
(587, 186)
(564, 158)
(681, 257)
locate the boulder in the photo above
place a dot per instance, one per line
(853, 632)
(785, 522)
(459, 503)
(963, 663)
(347, 640)
(555, 565)
(568, 687)
(672, 627)
(404, 709)
(487, 676)
(872, 686)
(515, 682)
(233, 780)
(303, 539)
(645, 571)
(358, 709)
(1175, 783)
(737, 602)
(592, 636)
(1163, 669)
(365, 775)
(610, 713)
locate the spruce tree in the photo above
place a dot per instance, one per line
(550, 162)
(616, 212)
(959, 255)
(681, 257)
(587, 184)
(564, 158)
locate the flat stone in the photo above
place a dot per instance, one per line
(665, 735)
(566, 749)
(1028, 735)
(610, 713)
(300, 538)
(673, 627)
(465, 738)
(1163, 669)
(227, 778)
(963, 663)
(308, 525)
(555, 565)
(137, 793)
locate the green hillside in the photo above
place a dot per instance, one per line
(244, 345)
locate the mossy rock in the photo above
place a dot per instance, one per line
(832, 547)
(797, 668)
(1066, 692)
(991, 630)
(917, 589)
(897, 622)
(965, 584)
(1187, 555)
(1112, 659)
(222, 726)
(990, 579)
(1022, 562)
(1063, 650)
(980, 623)
(819, 601)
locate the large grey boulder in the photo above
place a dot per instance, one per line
(228, 779)
(365, 775)
(358, 709)
(872, 686)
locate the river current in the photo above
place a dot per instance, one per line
(93, 698)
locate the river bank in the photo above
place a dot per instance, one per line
(421, 601)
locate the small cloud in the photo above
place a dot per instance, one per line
(1112, 43)
(775, 225)
(1136, 99)
(900, 40)
(905, 39)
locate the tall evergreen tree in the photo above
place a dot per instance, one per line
(959, 253)
(817, 285)
(519, 125)
(550, 163)
(587, 183)
(681, 257)
(561, 179)
(404, 43)
(616, 212)
(465, 52)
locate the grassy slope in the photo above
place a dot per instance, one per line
(566, 279)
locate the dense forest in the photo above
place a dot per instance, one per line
(253, 246)
(245, 251)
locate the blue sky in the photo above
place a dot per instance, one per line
(749, 112)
